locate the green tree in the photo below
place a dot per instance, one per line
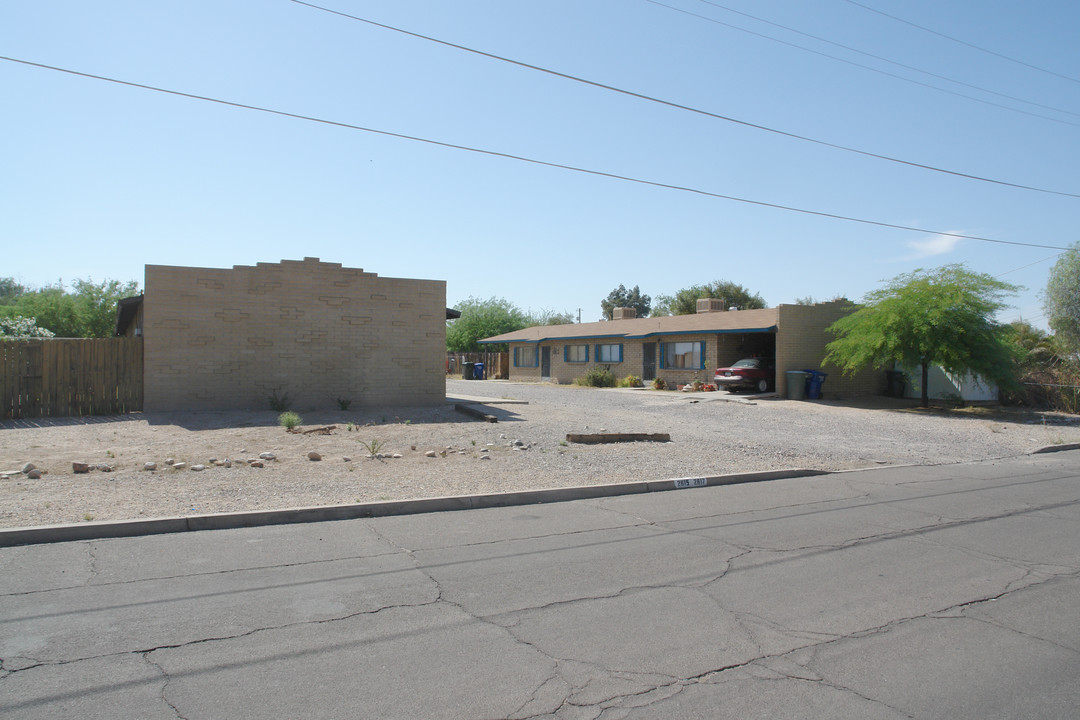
(20, 328)
(1061, 300)
(88, 311)
(10, 290)
(734, 296)
(621, 297)
(938, 317)
(482, 319)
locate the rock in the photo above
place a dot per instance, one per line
(27, 468)
(227, 464)
(212, 461)
(518, 443)
(397, 456)
(256, 463)
(430, 453)
(170, 461)
(104, 467)
(34, 474)
(314, 456)
(79, 468)
(346, 459)
(268, 456)
(484, 450)
(150, 466)
(198, 468)
(485, 457)
(179, 466)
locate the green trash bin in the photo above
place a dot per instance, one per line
(796, 384)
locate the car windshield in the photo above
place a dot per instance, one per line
(748, 363)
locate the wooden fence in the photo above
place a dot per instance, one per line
(64, 377)
(496, 365)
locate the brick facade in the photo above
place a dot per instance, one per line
(229, 338)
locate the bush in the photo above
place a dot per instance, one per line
(658, 384)
(289, 420)
(597, 377)
(279, 403)
(630, 381)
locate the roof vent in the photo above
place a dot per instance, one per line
(709, 305)
(623, 313)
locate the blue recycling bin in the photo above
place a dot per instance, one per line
(814, 379)
(478, 371)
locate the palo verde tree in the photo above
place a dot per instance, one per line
(621, 297)
(482, 319)
(935, 317)
(1061, 301)
(88, 310)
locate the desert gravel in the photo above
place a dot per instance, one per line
(711, 434)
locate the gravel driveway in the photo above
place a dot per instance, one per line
(444, 452)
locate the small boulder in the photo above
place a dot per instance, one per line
(267, 456)
(256, 463)
(396, 456)
(430, 453)
(170, 461)
(346, 459)
(179, 466)
(34, 474)
(314, 456)
(79, 468)
(27, 468)
(149, 466)
(198, 468)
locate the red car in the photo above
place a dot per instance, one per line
(751, 373)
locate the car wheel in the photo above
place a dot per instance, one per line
(762, 385)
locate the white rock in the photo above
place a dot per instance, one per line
(179, 465)
(397, 456)
(430, 453)
(198, 468)
(150, 466)
(268, 456)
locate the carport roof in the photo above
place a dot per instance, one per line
(732, 321)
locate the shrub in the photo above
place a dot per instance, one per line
(289, 420)
(658, 384)
(630, 381)
(279, 403)
(344, 403)
(597, 377)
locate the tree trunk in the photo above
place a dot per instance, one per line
(925, 381)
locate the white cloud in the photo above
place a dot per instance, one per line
(933, 245)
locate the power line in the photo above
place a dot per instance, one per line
(521, 158)
(1024, 267)
(860, 65)
(963, 42)
(686, 108)
(887, 60)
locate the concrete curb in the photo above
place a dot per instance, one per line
(1055, 448)
(222, 521)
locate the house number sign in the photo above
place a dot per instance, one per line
(690, 482)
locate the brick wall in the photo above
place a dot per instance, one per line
(227, 339)
(800, 344)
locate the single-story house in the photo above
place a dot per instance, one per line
(683, 348)
(315, 331)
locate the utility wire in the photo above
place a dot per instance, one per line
(520, 158)
(860, 65)
(687, 108)
(962, 42)
(887, 60)
(1024, 267)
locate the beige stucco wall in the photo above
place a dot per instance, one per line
(228, 338)
(800, 345)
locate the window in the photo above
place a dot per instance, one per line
(609, 353)
(576, 353)
(683, 355)
(525, 356)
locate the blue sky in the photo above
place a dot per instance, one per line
(99, 179)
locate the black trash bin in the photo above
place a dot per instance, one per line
(467, 370)
(813, 384)
(478, 371)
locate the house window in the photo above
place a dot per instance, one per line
(576, 353)
(609, 353)
(684, 355)
(525, 356)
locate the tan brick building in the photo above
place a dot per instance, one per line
(684, 348)
(316, 331)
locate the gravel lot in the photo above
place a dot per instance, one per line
(711, 434)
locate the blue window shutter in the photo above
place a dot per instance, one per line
(586, 353)
(620, 352)
(566, 353)
(702, 353)
(536, 357)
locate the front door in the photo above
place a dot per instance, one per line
(545, 362)
(648, 361)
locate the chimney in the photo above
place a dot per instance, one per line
(709, 305)
(623, 313)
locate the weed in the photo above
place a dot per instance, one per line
(344, 403)
(279, 403)
(289, 420)
(597, 377)
(373, 447)
(110, 453)
(474, 442)
(349, 427)
(87, 517)
(630, 381)
(408, 422)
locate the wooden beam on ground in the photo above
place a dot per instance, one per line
(619, 437)
(475, 412)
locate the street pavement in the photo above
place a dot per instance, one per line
(921, 592)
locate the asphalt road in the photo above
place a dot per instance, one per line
(925, 592)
